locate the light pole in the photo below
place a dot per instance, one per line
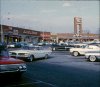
(43, 36)
(2, 37)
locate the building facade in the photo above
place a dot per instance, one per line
(70, 37)
(15, 34)
(45, 36)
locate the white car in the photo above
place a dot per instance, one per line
(30, 53)
(83, 49)
(79, 45)
(92, 55)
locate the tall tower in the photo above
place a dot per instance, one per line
(77, 26)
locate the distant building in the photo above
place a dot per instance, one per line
(54, 37)
(16, 34)
(70, 37)
(45, 36)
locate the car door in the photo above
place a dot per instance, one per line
(37, 52)
(42, 52)
(88, 48)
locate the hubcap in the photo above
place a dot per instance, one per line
(31, 58)
(92, 58)
(75, 53)
(53, 48)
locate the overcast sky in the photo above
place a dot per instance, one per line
(51, 15)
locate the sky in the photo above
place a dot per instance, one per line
(56, 16)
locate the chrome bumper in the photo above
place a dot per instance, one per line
(13, 68)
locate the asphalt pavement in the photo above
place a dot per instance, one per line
(59, 70)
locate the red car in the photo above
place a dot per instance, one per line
(10, 65)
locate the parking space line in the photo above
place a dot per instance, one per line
(47, 83)
(37, 82)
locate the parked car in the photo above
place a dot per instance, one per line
(21, 44)
(79, 45)
(41, 44)
(18, 44)
(92, 55)
(62, 47)
(30, 53)
(11, 45)
(10, 65)
(83, 49)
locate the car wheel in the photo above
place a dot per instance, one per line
(75, 53)
(92, 58)
(46, 56)
(31, 58)
(54, 49)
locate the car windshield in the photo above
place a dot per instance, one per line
(84, 46)
(79, 46)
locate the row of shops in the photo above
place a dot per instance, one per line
(16, 34)
(84, 37)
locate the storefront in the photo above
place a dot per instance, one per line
(15, 34)
(45, 36)
(30, 35)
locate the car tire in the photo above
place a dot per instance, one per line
(31, 58)
(75, 53)
(92, 58)
(54, 49)
(46, 56)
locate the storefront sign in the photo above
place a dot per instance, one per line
(15, 32)
(30, 32)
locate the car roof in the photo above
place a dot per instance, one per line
(98, 45)
(93, 43)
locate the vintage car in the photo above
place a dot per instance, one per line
(30, 53)
(10, 65)
(83, 49)
(17, 44)
(92, 55)
(79, 45)
(61, 47)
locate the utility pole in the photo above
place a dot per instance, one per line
(43, 36)
(2, 37)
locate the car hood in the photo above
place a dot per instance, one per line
(20, 51)
(9, 60)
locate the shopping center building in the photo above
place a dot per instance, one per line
(15, 34)
(71, 37)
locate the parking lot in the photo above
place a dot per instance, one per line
(59, 70)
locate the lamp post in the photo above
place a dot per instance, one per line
(2, 37)
(43, 36)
